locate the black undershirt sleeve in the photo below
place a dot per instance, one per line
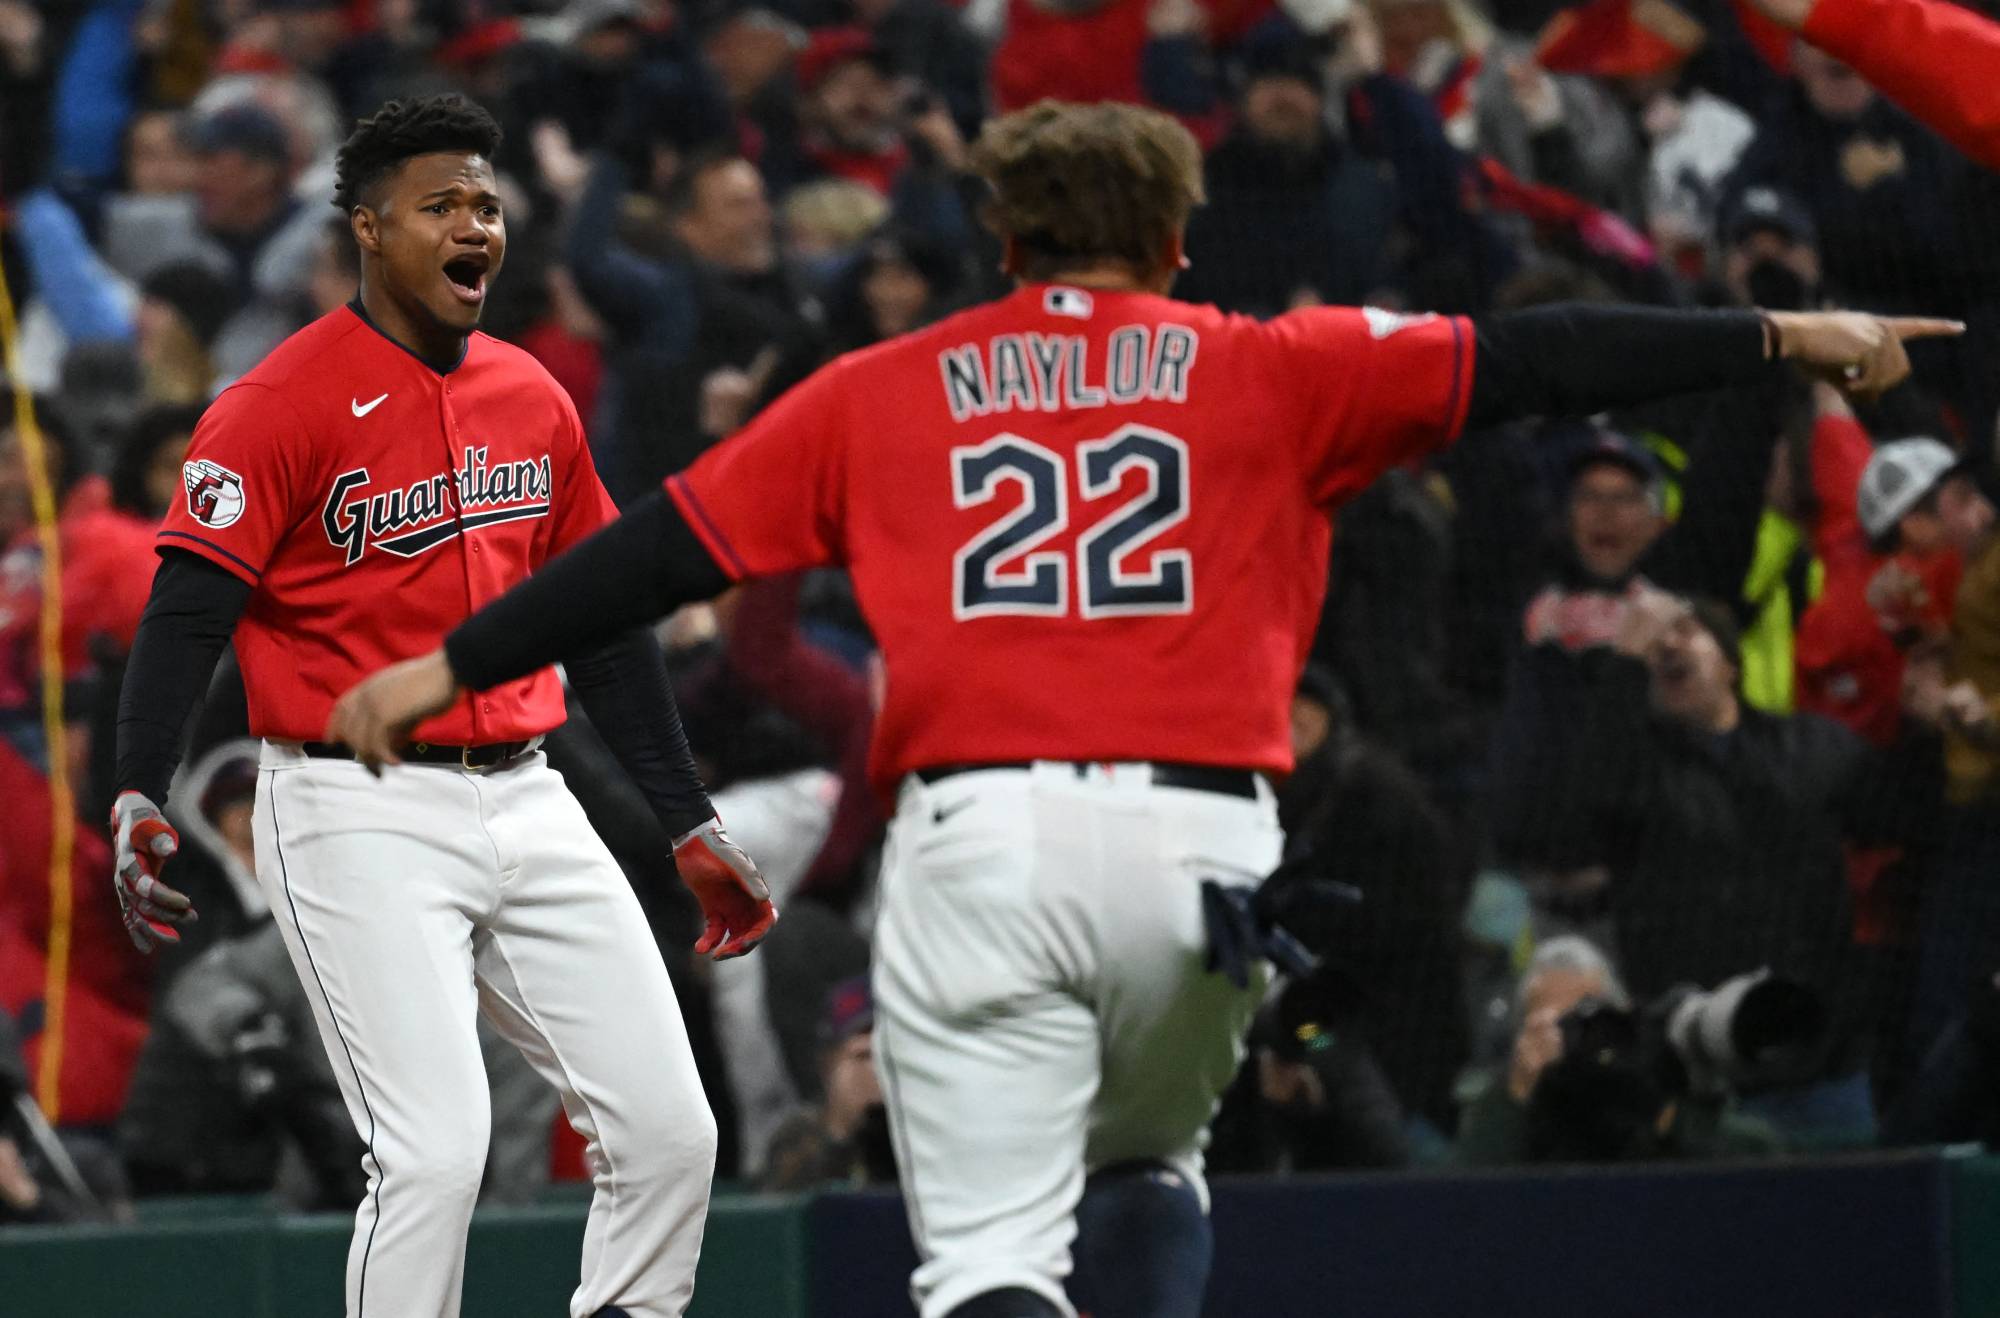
(189, 617)
(1556, 360)
(1573, 359)
(623, 687)
(643, 566)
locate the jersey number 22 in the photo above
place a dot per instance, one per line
(1003, 570)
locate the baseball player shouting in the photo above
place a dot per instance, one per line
(376, 479)
(1089, 527)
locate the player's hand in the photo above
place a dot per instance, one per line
(733, 895)
(1855, 352)
(143, 841)
(375, 718)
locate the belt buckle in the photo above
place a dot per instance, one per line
(467, 763)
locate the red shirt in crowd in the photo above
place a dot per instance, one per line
(1848, 666)
(375, 503)
(1084, 525)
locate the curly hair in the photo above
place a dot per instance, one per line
(402, 129)
(1077, 183)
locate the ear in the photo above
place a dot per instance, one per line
(366, 227)
(1174, 257)
(1010, 258)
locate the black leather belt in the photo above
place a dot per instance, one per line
(476, 759)
(1193, 777)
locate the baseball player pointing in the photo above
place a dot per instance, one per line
(1089, 526)
(380, 476)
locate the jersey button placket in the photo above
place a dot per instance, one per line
(448, 431)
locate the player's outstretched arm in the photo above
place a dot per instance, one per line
(189, 616)
(641, 567)
(1574, 359)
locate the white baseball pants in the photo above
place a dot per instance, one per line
(1041, 1004)
(412, 903)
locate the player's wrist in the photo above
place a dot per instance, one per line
(1777, 345)
(693, 826)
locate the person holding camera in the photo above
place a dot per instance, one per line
(1588, 1080)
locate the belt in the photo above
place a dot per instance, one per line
(472, 759)
(1193, 777)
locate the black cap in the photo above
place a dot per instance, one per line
(250, 129)
(1276, 49)
(1768, 208)
(1610, 446)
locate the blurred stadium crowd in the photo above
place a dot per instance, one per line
(1660, 749)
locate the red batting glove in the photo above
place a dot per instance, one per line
(144, 840)
(733, 895)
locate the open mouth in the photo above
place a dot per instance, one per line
(466, 276)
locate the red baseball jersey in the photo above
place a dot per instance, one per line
(1084, 525)
(375, 503)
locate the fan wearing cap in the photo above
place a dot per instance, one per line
(845, 1139)
(1882, 591)
(1616, 516)
(1771, 252)
(1918, 501)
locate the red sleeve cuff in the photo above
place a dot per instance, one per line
(209, 550)
(1462, 363)
(705, 530)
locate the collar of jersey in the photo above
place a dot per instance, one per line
(429, 365)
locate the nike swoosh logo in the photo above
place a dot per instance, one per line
(944, 812)
(363, 409)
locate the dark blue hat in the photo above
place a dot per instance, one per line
(1764, 207)
(1609, 446)
(254, 131)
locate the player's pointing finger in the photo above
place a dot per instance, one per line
(1924, 327)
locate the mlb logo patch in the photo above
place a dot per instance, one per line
(1381, 323)
(215, 493)
(1070, 302)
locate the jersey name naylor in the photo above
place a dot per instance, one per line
(410, 519)
(1047, 372)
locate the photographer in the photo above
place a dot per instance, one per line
(1592, 1080)
(232, 1075)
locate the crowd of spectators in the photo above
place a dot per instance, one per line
(1660, 748)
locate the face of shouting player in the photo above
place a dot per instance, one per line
(431, 245)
